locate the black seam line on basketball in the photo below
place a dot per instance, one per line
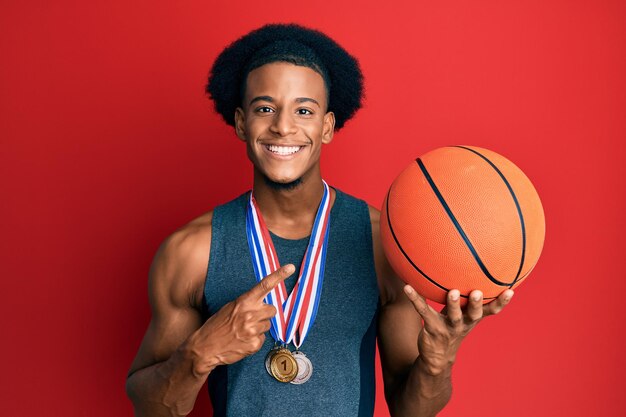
(517, 206)
(393, 234)
(458, 227)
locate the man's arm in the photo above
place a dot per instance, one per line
(417, 358)
(178, 351)
(163, 379)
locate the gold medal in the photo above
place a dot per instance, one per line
(283, 366)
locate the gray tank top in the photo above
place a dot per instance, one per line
(341, 343)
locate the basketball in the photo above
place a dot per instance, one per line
(462, 217)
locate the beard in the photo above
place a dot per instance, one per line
(282, 186)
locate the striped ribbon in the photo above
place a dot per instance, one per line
(295, 314)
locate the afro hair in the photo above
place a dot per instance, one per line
(286, 43)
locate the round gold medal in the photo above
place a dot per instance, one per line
(283, 366)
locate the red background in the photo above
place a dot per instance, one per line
(108, 144)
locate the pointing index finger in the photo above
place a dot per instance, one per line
(268, 283)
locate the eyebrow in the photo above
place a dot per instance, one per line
(271, 100)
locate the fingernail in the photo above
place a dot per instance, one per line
(509, 295)
(408, 289)
(290, 268)
(454, 295)
(476, 296)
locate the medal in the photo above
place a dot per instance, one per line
(296, 313)
(305, 368)
(283, 366)
(268, 359)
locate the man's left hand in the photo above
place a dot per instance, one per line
(444, 331)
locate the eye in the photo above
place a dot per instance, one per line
(304, 112)
(264, 109)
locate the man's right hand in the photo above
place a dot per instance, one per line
(238, 329)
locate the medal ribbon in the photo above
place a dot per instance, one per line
(295, 314)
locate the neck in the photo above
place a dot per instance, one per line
(289, 212)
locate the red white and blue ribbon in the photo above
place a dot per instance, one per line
(295, 314)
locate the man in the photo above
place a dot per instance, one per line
(286, 90)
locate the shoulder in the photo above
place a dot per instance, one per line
(374, 216)
(180, 264)
(375, 222)
(175, 289)
(389, 284)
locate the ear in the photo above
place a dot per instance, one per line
(329, 127)
(240, 123)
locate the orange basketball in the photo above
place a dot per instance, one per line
(464, 218)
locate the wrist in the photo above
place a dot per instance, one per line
(441, 367)
(200, 361)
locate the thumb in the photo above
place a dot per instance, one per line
(423, 309)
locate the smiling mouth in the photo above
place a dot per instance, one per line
(283, 150)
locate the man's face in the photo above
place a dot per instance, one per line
(284, 122)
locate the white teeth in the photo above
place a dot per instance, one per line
(283, 150)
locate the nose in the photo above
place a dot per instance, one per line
(283, 124)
